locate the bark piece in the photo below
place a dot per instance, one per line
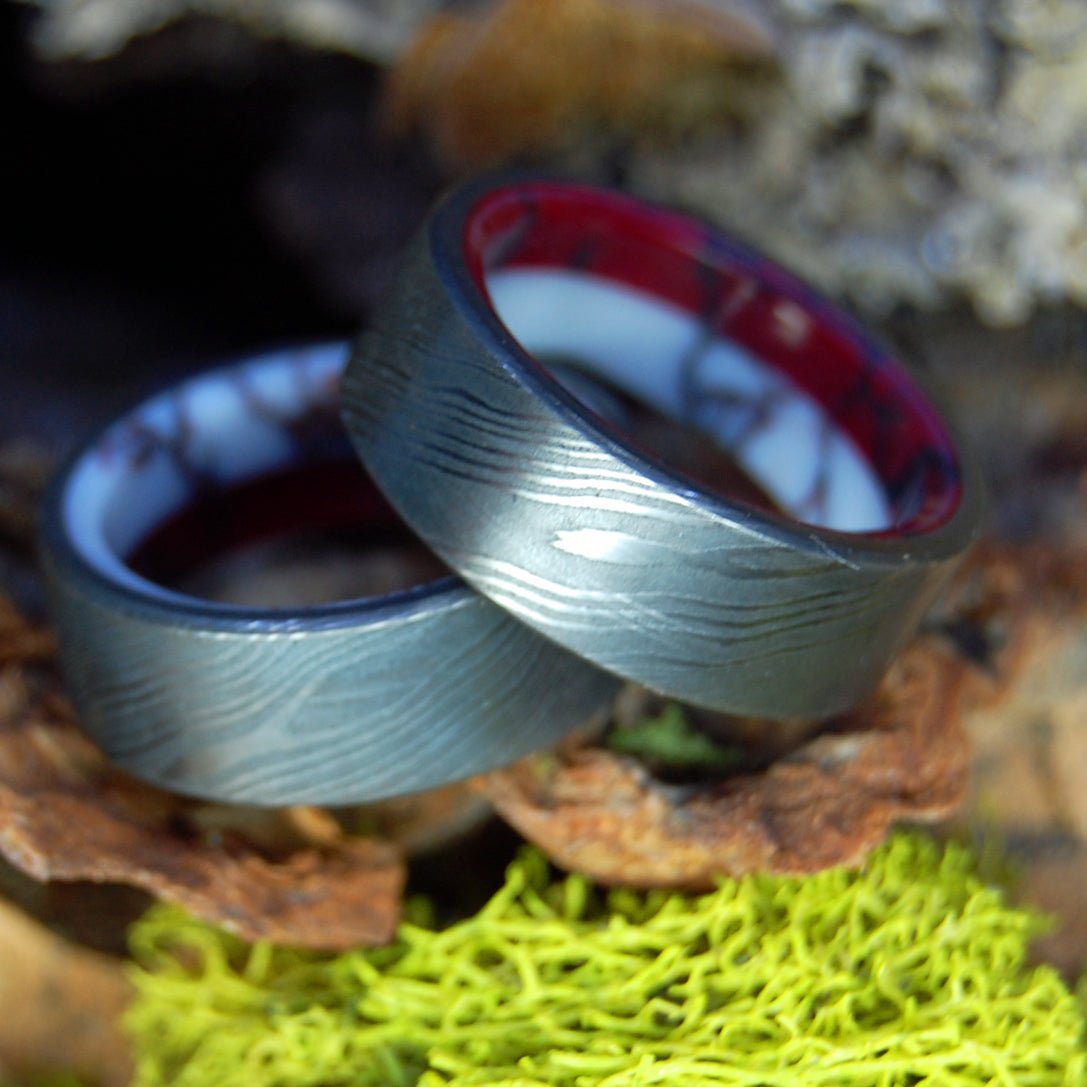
(21, 642)
(1029, 773)
(519, 77)
(1030, 605)
(902, 756)
(61, 1006)
(66, 814)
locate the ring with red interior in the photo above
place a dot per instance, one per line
(491, 400)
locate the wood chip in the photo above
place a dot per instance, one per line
(61, 1006)
(519, 77)
(902, 756)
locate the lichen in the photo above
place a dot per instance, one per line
(910, 971)
(922, 152)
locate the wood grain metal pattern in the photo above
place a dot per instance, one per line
(534, 503)
(331, 706)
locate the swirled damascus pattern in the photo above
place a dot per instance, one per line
(351, 706)
(537, 509)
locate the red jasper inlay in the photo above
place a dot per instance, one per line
(740, 296)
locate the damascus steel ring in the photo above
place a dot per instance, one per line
(465, 400)
(343, 702)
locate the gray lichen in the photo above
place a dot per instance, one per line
(916, 151)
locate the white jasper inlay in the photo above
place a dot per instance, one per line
(221, 427)
(659, 354)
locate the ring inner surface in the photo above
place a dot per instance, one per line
(830, 429)
(240, 486)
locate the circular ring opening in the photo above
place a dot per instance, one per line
(829, 425)
(240, 473)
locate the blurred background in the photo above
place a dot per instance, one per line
(193, 179)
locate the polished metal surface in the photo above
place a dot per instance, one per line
(535, 502)
(333, 704)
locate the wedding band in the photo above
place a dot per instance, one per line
(330, 704)
(551, 506)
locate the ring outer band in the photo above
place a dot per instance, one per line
(342, 703)
(713, 602)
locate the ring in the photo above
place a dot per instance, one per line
(336, 703)
(552, 503)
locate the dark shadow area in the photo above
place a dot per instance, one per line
(145, 232)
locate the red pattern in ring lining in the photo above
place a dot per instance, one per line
(743, 297)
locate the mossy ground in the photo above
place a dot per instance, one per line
(909, 972)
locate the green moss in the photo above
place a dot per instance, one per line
(671, 741)
(910, 972)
